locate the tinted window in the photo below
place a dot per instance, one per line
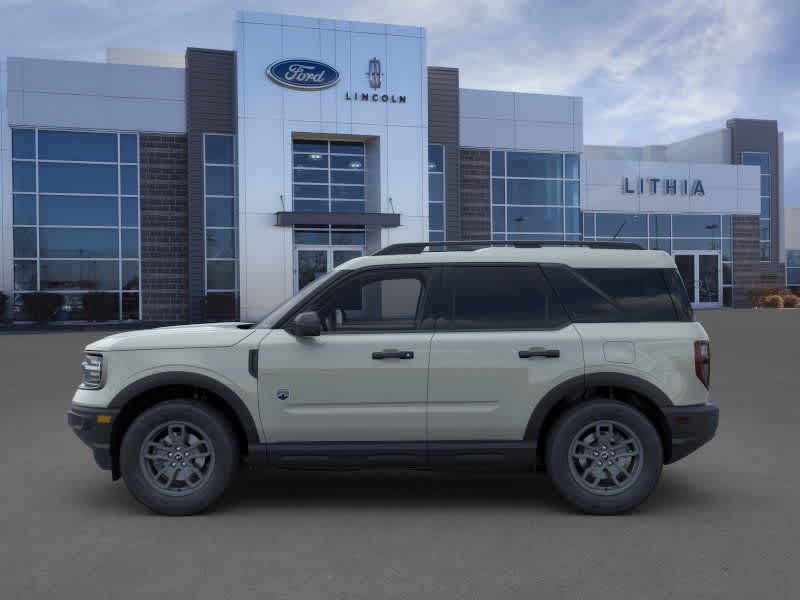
(78, 243)
(374, 302)
(679, 297)
(66, 178)
(492, 298)
(584, 302)
(77, 210)
(74, 145)
(641, 293)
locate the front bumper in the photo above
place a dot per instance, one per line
(94, 432)
(691, 427)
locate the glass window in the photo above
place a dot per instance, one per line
(573, 166)
(348, 238)
(351, 177)
(128, 148)
(696, 225)
(436, 191)
(347, 192)
(530, 164)
(24, 209)
(130, 243)
(77, 146)
(572, 220)
(498, 163)
(23, 176)
(498, 218)
(77, 210)
(23, 143)
(660, 226)
(727, 225)
(793, 258)
(759, 159)
(312, 237)
(436, 216)
(498, 191)
(25, 275)
(572, 193)
(130, 275)
(219, 181)
(310, 191)
(765, 191)
(221, 274)
(312, 146)
(435, 158)
(696, 244)
(79, 275)
(318, 161)
(765, 207)
(584, 302)
(766, 251)
(25, 242)
(56, 242)
(620, 225)
(535, 219)
(129, 180)
(531, 191)
(130, 307)
(501, 298)
(219, 149)
(642, 294)
(345, 162)
(130, 212)
(220, 243)
(219, 212)
(311, 205)
(764, 229)
(311, 175)
(347, 206)
(374, 302)
(664, 244)
(588, 225)
(347, 148)
(67, 178)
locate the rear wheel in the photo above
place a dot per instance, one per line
(604, 457)
(178, 457)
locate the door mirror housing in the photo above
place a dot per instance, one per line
(307, 324)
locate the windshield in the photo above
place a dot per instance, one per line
(279, 311)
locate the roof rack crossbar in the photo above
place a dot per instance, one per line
(419, 247)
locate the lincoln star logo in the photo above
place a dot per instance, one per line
(303, 74)
(374, 74)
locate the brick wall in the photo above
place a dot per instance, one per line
(748, 270)
(165, 227)
(476, 219)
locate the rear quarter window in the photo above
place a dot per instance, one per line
(609, 295)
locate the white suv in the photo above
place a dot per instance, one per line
(584, 360)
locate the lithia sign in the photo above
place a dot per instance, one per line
(667, 186)
(306, 74)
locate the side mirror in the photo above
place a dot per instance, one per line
(307, 324)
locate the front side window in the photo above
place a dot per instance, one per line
(499, 298)
(374, 301)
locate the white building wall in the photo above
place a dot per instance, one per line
(269, 115)
(712, 147)
(145, 58)
(519, 121)
(791, 228)
(729, 189)
(82, 95)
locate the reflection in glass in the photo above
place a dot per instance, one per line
(79, 275)
(78, 243)
(77, 210)
(311, 265)
(220, 243)
(221, 274)
(77, 146)
(66, 178)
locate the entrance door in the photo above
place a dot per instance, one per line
(312, 262)
(702, 274)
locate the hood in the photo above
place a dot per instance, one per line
(207, 335)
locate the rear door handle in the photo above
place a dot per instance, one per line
(540, 352)
(392, 353)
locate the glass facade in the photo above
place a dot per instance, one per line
(328, 176)
(76, 220)
(761, 160)
(535, 196)
(671, 233)
(793, 268)
(219, 158)
(319, 249)
(435, 192)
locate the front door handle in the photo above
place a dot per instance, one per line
(392, 353)
(540, 352)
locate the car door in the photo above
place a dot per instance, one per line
(365, 378)
(502, 342)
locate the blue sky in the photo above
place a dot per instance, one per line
(649, 72)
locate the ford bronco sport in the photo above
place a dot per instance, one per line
(583, 359)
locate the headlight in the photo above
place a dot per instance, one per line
(92, 370)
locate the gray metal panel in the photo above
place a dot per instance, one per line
(287, 219)
(443, 128)
(210, 108)
(755, 135)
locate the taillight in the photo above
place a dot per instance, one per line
(702, 361)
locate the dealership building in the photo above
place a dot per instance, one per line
(213, 184)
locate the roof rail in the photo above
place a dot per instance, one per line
(419, 247)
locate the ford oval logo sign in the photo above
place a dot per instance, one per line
(303, 74)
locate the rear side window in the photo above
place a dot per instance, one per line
(608, 295)
(500, 298)
(679, 296)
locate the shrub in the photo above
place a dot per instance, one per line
(773, 301)
(3, 306)
(41, 306)
(757, 295)
(790, 301)
(99, 306)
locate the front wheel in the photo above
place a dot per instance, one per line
(604, 457)
(178, 457)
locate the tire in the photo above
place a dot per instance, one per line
(627, 447)
(165, 433)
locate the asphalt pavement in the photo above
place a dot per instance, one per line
(723, 523)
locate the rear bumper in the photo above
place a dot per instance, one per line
(691, 427)
(97, 435)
